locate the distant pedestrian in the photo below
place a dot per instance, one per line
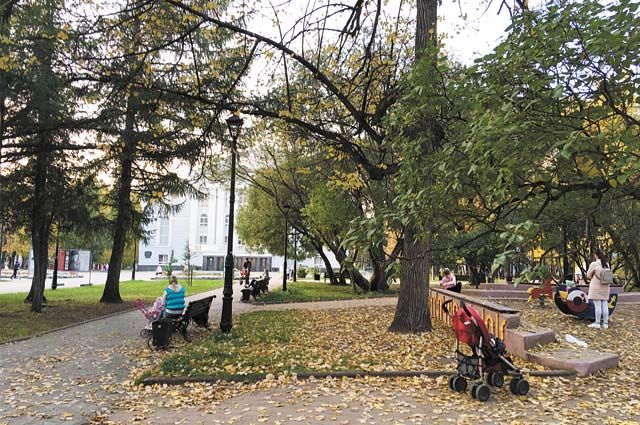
(449, 281)
(16, 269)
(599, 292)
(246, 270)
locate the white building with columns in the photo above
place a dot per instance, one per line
(203, 224)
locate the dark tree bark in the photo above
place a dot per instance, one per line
(333, 280)
(54, 279)
(40, 225)
(111, 292)
(354, 274)
(412, 314)
(41, 209)
(412, 311)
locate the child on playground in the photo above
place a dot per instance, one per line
(449, 282)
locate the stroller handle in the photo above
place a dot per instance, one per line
(444, 306)
(462, 304)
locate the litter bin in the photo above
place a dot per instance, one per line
(246, 295)
(161, 332)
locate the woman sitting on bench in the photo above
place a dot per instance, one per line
(173, 297)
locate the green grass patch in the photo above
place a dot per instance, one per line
(66, 306)
(315, 291)
(249, 350)
(294, 341)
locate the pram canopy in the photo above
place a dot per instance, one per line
(468, 327)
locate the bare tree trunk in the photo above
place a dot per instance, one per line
(40, 225)
(379, 280)
(412, 311)
(41, 208)
(111, 292)
(412, 314)
(327, 264)
(54, 278)
(354, 274)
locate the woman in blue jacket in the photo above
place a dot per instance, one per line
(173, 299)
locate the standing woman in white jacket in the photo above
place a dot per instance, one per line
(598, 292)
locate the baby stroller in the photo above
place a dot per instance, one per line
(152, 314)
(488, 364)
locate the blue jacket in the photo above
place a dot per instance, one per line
(174, 300)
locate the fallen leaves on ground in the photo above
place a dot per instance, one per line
(52, 384)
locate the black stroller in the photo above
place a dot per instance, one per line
(488, 364)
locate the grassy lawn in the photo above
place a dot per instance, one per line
(315, 291)
(69, 305)
(296, 341)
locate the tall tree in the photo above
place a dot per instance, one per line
(34, 163)
(412, 311)
(150, 126)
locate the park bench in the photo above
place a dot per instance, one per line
(197, 311)
(254, 289)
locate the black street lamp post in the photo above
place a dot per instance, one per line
(295, 255)
(234, 123)
(286, 240)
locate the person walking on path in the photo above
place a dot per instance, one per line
(173, 298)
(16, 269)
(246, 270)
(599, 292)
(449, 282)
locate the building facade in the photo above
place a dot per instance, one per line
(203, 225)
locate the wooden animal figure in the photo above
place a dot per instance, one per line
(575, 302)
(544, 291)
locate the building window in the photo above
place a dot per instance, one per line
(226, 220)
(204, 228)
(147, 254)
(239, 241)
(163, 232)
(226, 238)
(163, 259)
(204, 203)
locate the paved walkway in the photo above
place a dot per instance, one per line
(8, 286)
(71, 374)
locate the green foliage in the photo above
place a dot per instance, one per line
(265, 233)
(537, 135)
(302, 272)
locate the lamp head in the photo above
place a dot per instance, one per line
(234, 122)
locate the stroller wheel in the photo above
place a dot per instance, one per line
(496, 379)
(482, 392)
(459, 384)
(519, 386)
(474, 387)
(451, 378)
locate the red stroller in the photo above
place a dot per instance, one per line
(488, 364)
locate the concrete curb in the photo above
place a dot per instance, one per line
(318, 301)
(159, 380)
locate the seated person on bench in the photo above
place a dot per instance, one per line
(449, 282)
(173, 297)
